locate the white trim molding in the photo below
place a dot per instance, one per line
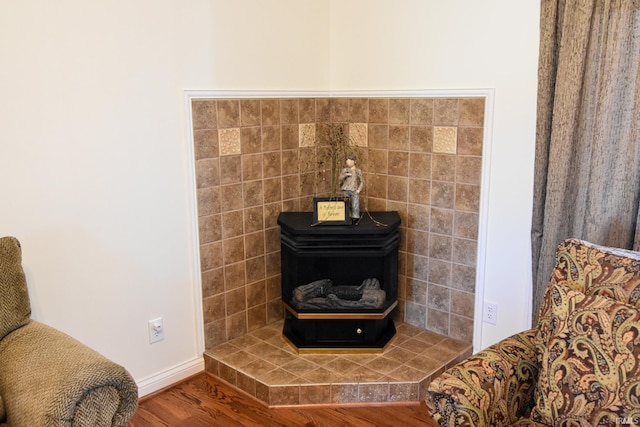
(170, 376)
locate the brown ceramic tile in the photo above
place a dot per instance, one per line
(445, 112)
(440, 247)
(422, 111)
(270, 111)
(253, 219)
(467, 197)
(233, 250)
(256, 317)
(207, 172)
(254, 244)
(468, 169)
(417, 267)
(213, 308)
(311, 394)
(399, 111)
(466, 225)
(344, 393)
(339, 110)
(440, 272)
(307, 110)
(250, 140)
(462, 303)
(443, 167)
(439, 297)
(212, 282)
(323, 112)
(461, 329)
(209, 229)
(230, 170)
(399, 137)
(403, 392)
(471, 112)
(419, 217)
(463, 277)
(270, 136)
(234, 275)
(228, 113)
(373, 392)
(289, 111)
(235, 301)
(443, 194)
(416, 291)
(230, 197)
(290, 137)
(419, 191)
(379, 110)
(398, 188)
(232, 225)
(421, 138)
(211, 256)
(441, 221)
(464, 251)
(204, 114)
(470, 141)
(256, 269)
(418, 242)
(208, 201)
(215, 333)
(253, 193)
(228, 373)
(236, 325)
(378, 137)
(359, 110)
(249, 112)
(398, 163)
(205, 144)
(438, 321)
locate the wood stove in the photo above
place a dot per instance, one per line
(339, 282)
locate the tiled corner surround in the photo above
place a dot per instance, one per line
(421, 157)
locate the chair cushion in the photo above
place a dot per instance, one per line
(590, 360)
(15, 310)
(598, 270)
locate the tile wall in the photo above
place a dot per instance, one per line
(420, 156)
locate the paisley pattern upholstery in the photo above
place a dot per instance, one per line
(492, 387)
(499, 386)
(590, 369)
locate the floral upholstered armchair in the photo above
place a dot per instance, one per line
(47, 378)
(580, 366)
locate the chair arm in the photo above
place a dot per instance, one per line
(47, 378)
(493, 387)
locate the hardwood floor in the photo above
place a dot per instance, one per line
(204, 400)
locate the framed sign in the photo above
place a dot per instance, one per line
(330, 211)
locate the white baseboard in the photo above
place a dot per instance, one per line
(170, 376)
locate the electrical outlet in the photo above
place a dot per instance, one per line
(490, 312)
(156, 330)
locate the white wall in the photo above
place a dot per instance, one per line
(94, 159)
(95, 166)
(462, 44)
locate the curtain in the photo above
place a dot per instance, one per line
(587, 170)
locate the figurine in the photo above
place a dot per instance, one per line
(351, 183)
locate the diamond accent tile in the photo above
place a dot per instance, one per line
(358, 133)
(229, 141)
(445, 139)
(307, 134)
(271, 370)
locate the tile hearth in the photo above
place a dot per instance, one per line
(262, 364)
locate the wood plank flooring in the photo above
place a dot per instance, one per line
(204, 400)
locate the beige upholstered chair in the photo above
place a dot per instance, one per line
(48, 378)
(580, 366)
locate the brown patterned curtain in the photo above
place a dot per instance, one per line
(587, 172)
